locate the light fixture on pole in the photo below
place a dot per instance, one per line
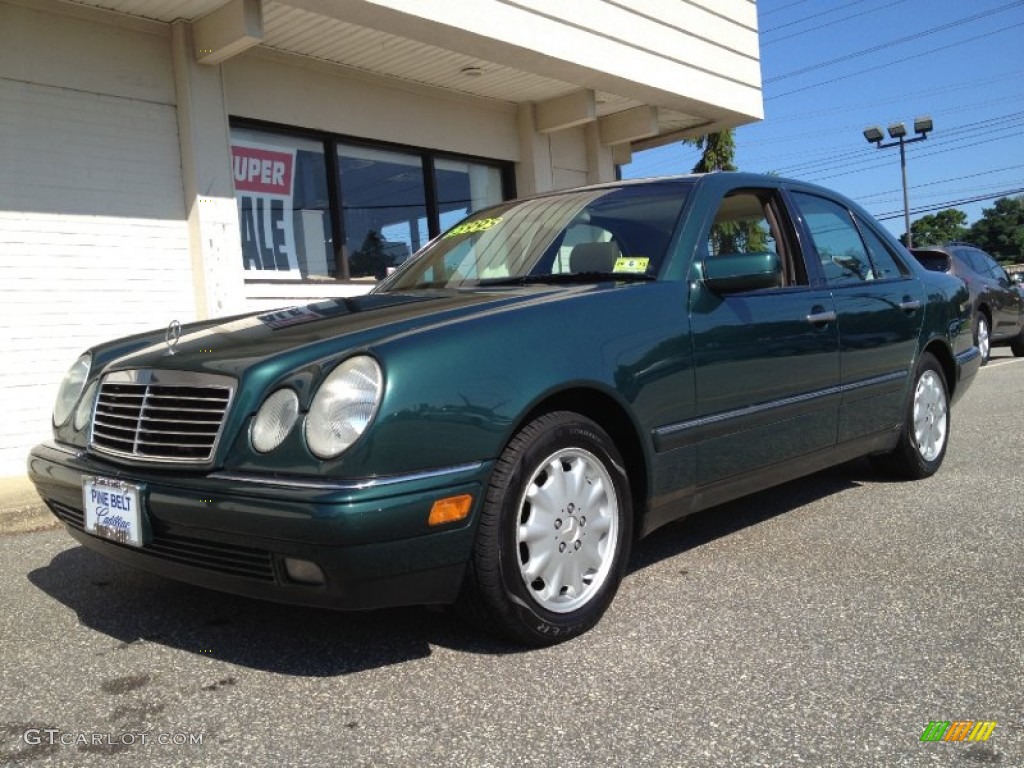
(898, 132)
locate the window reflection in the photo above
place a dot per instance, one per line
(388, 205)
(464, 187)
(384, 208)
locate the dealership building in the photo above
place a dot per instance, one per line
(183, 159)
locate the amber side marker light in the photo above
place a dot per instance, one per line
(450, 510)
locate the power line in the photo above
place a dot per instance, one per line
(855, 159)
(950, 204)
(936, 182)
(827, 159)
(972, 84)
(921, 198)
(929, 52)
(808, 18)
(897, 41)
(796, 139)
(773, 41)
(782, 8)
(851, 170)
(882, 164)
(949, 133)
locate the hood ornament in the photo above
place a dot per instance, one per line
(172, 336)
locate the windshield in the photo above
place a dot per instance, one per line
(620, 233)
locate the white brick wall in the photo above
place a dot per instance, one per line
(93, 239)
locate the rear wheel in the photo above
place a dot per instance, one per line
(925, 434)
(554, 533)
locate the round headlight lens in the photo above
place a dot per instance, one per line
(274, 420)
(84, 410)
(344, 406)
(71, 389)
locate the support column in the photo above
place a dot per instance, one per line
(533, 171)
(600, 166)
(204, 138)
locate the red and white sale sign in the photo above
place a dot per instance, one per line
(267, 171)
(264, 183)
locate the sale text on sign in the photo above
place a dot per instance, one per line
(264, 181)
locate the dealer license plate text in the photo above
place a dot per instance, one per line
(112, 510)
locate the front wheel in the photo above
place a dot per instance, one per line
(983, 337)
(554, 534)
(925, 433)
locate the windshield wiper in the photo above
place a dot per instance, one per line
(569, 277)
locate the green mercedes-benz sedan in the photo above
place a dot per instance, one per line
(498, 421)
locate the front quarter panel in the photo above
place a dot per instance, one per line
(457, 394)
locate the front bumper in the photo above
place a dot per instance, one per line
(232, 532)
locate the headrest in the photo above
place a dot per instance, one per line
(593, 257)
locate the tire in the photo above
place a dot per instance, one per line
(925, 433)
(554, 535)
(983, 336)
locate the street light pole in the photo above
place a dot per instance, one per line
(898, 132)
(906, 198)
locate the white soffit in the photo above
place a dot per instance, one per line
(157, 10)
(305, 33)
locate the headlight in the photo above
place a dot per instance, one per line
(70, 389)
(84, 409)
(344, 406)
(274, 420)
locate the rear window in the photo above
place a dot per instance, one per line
(934, 261)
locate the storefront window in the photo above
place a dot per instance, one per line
(464, 187)
(384, 208)
(318, 207)
(283, 205)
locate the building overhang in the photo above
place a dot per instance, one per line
(647, 75)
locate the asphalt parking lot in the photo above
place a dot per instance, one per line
(823, 623)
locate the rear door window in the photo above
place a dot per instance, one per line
(886, 265)
(841, 251)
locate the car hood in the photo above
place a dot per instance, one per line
(289, 338)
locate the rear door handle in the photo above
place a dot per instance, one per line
(909, 305)
(820, 316)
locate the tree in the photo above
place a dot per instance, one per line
(718, 152)
(1000, 230)
(938, 228)
(371, 258)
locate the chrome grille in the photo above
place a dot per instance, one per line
(160, 416)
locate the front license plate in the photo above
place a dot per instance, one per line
(112, 510)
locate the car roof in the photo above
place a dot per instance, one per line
(948, 248)
(732, 178)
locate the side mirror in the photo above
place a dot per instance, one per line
(737, 272)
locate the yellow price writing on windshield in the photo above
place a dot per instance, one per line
(480, 225)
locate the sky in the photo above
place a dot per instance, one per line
(831, 68)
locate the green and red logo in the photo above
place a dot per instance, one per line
(958, 730)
